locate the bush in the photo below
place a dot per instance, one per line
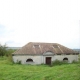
(2, 50)
(57, 62)
(10, 58)
(18, 62)
(74, 61)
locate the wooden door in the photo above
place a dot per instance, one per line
(48, 60)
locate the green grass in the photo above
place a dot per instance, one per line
(10, 71)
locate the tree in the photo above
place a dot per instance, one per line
(3, 49)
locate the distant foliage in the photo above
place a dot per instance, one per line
(4, 51)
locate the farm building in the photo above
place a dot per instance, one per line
(44, 53)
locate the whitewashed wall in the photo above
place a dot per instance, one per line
(61, 57)
(23, 58)
(39, 59)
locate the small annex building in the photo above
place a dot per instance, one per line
(44, 53)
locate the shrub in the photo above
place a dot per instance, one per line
(10, 58)
(18, 62)
(57, 62)
(74, 61)
(2, 50)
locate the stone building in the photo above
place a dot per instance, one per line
(44, 53)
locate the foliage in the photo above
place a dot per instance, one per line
(57, 62)
(9, 52)
(18, 62)
(10, 59)
(10, 71)
(74, 61)
(3, 49)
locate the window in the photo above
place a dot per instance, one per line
(29, 60)
(65, 59)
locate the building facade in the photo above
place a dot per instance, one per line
(44, 53)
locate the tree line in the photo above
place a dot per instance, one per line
(4, 51)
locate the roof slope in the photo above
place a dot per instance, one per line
(40, 48)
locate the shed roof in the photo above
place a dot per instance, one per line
(40, 48)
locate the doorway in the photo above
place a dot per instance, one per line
(48, 60)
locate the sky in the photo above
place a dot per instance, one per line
(51, 21)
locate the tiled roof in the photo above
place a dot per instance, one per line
(40, 48)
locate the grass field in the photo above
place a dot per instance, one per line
(10, 71)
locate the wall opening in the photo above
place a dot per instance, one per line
(65, 59)
(29, 60)
(48, 60)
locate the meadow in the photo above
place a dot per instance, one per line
(11, 71)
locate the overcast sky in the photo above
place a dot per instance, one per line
(53, 21)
